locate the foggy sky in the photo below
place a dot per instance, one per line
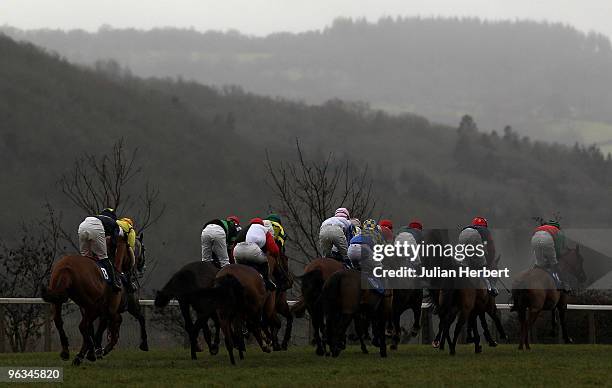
(261, 17)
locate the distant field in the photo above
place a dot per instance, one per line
(412, 365)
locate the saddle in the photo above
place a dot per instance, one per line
(104, 270)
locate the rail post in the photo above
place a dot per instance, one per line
(591, 323)
(47, 330)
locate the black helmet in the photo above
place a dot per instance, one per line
(109, 212)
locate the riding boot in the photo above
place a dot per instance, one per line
(131, 286)
(114, 279)
(563, 286)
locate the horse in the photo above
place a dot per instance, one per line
(130, 302)
(184, 286)
(404, 299)
(240, 297)
(284, 282)
(80, 279)
(535, 290)
(344, 299)
(316, 273)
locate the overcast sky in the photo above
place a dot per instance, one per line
(260, 17)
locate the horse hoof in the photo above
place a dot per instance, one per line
(383, 354)
(320, 352)
(478, 349)
(77, 361)
(213, 351)
(284, 346)
(393, 347)
(276, 347)
(569, 340)
(91, 356)
(435, 344)
(106, 351)
(266, 349)
(364, 350)
(65, 355)
(492, 344)
(414, 333)
(198, 348)
(144, 347)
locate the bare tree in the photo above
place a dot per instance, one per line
(309, 191)
(110, 180)
(23, 267)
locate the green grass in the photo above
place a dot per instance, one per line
(412, 365)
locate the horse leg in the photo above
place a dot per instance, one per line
(193, 337)
(485, 329)
(115, 324)
(359, 331)
(438, 342)
(59, 325)
(522, 315)
(553, 321)
(102, 326)
(453, 344)
(476, 335)
(202, 323)
(286, 313)
(396, 330)
(316, 321)
(227, 334)
(186, 313)
(256, 330)
(498, 325)
(135, 310)
(84, 328)
(215, 345)
(380, 323)
(562, 318)
(341, 326)
(533, 315)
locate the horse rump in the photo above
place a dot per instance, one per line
(57, 292)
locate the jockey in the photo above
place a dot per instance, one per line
(93, 233)
(254, 250)
(356, 226)
(386, 227)
(236, 222)
(217, 239)
(548, 243)
(127, 226)
(335, 232)
(478, 234)
(361, 247)
(278, 231)
(413, 235)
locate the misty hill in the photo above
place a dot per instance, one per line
(546, 80)
(205, 149)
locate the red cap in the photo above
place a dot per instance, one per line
(256, 221)
(234, 219)
(415, 224)
(480, 221)
(386, 224)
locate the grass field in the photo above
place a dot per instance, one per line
(412, 365)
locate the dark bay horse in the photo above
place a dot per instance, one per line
(284, 281)
(315, 275)
(535, 290)
(343, 300)
(405, 299)
(80, 279)
(130, 302)
(185, 286)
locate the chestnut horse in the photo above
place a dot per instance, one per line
(535, 290)
(130, 302)
(315, 275)
(79, 278)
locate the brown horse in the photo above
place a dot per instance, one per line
(184, 286)
(535, 290)
(284, 281)
(130, 302)
(343, 300)
(241, 298)
(315, 275)
(79, 278)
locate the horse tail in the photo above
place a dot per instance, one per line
(57, 293)
(228, 291)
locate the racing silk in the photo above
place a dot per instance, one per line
(557, 235)
(363, 240)
(487, 240)
(259, 234)
(129, 232)
(342, 222)
(111, 228)
(416, 233)
(228, 227)
(279, 233)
